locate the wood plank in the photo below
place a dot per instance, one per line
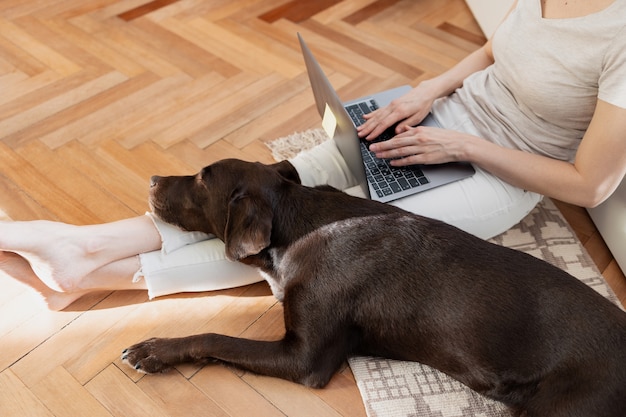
(21, 120)
(92, 105)
(145, 9)
(14, 90)
(367, 12)
(92, 196)
(17, 400)
(189, 57)
(292, 399)
(17, 204)
(93, 46)
(121, 396)
(232, 394)
(163, 110)
(297, 11)
(70, 344)
(37, 49)
(191, 117)
(65, 397)
(108, 113)
(615, 277)
(43, 189)
(252, 111)
(173, 394)
(117, 179)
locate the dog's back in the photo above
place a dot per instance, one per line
(502, 322)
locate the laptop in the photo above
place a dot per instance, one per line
(378, 180)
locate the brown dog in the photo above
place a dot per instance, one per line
(360, 277)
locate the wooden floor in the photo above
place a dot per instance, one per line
(96, 96)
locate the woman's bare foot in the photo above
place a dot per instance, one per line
(58, 253)
(18, 268)
(62, 255)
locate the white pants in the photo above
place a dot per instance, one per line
(482, 205)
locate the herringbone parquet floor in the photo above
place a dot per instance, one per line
(98, 95)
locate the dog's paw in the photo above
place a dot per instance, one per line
(148, 357)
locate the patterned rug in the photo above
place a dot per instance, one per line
(394, 388)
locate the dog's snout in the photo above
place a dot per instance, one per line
(154, 180)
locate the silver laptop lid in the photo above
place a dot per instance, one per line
(335, 119)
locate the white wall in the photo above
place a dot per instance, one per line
(489, 13)
(610, 219)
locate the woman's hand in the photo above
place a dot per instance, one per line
(424, 145)
(407, 110)
(414, 106)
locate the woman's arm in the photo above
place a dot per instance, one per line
(412, 108)
(598, 169)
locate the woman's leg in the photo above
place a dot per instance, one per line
(63, 255)
(63, 262)
(482, 205)
(324, 165)
(116, 275)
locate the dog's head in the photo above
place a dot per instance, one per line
(230, 199)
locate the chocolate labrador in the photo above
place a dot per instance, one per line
(357, 277)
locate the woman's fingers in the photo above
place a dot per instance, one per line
(421, 145)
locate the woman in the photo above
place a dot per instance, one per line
(539, 110)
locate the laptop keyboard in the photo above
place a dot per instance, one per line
(385, 179)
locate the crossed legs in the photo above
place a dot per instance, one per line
(62, 262)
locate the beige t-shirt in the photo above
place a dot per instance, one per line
(541, 93)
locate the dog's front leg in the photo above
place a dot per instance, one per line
(286, 358)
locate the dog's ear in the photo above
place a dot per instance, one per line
(286, 170)
(248, 226)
